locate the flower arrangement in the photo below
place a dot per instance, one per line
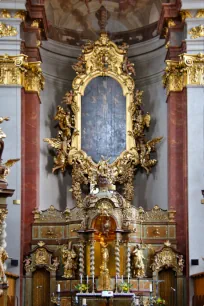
(81, 287)
(160, 302)
(125, 287)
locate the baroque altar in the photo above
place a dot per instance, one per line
(104, 243)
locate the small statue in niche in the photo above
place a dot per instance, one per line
(27, 263)
(3, 257)
(138, 267)
(104, 281)
(69, 257)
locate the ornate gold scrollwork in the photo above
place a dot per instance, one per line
(166, 258)
(188, 70)
(200, 14)
(185, 14)
(102, 58)
(197, 31)
(16, 70)
(3, 214)
(7, 30)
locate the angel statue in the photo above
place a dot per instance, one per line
(61, 146)
(3, 257)
(145, 149)
(68, 98)
(69, 257)
(138, 262)
(5, 168)
(65, 121)
(2, 136)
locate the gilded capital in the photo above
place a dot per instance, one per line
(188, 70)
(18, 71)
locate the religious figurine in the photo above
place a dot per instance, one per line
(2, 136)
(27, 265)
(68, 98)
(128, 67)
(5, 168)
(65, 121)
(55, 263)
(3, 257)
(138, 262)
(41, 257)
(69, 257)
(104, 282)
(180, 262)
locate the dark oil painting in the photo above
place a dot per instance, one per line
(103, 121)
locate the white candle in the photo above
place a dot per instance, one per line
(58, 287)
(122, 278)
(93, 279)
(83, 302)
(87, 279)
(137, 302)
(80, 278)
(128, 278)
(150, 287)
(116, 279)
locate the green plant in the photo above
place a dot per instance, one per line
(125, 287)
(160, 302)
(81, 287)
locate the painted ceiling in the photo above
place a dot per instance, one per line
(76, 21)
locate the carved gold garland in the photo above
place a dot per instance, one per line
(7, 30)
(16, 70)
(197, 32)
(188, 71)
(102, 58)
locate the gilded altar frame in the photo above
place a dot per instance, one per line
(102, 58)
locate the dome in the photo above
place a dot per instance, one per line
(76, 21)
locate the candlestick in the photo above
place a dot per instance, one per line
(87, 283)
(58, 287)
(93, 283)
(116, 282)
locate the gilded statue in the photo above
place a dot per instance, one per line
(65, 121)
(6, 168)
(2, 136)
(104, 282)
(69, 257)
(138, 268)
(3, 257)
(62, 148)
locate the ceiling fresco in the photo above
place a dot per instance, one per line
(76, 21)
